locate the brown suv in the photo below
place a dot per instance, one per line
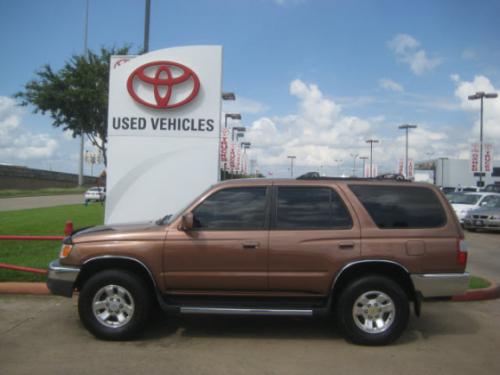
(360, 250)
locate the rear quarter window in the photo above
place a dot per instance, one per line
(401, 206)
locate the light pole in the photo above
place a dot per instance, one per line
(481, 95)
(245, 146)
(291, 157)
(442, 170)
(232, 116)
(236, 116)
(147, 13)
(371, 142)
(364, 158)
(338, 161)
(407, 127)
(85, 53)
(354, 156)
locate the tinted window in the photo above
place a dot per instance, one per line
(310, 208)
(238, 208)
(401, 207)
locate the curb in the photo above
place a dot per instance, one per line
(24, 288)
(491, 292)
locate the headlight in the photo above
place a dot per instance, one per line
(65, 250)
(495, 217)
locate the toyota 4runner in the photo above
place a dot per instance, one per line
(361, 251)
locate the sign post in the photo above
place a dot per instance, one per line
(163, 130)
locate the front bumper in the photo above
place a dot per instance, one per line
(61, 279)
(481, 223)
(440, 284)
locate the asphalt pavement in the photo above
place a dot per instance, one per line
(22, 203)
(484, 254)
(43, 335)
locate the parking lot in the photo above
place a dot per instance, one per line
(43, 335)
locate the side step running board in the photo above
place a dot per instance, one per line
(245, 311)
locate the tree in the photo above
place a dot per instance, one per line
(76, 96)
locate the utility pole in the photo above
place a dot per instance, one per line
(371, 142)
(481, 95)
(406, 128)
(291, 157)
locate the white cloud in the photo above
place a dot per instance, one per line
(320, 132)
(407, 49)
(389, 84)
(491, 120)
(16, 143)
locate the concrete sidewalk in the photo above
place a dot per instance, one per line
(22, 203)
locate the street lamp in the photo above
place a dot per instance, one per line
(338, 161)
(238, 129)
(354, 156)
(232, 116)
(406, 128)
(291, 157)
(371, 142)
(481, 95)
(228, 96)
(442, 170)
(364, 158)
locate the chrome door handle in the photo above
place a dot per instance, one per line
(250, 244)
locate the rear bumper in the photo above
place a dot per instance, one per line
(61, 279)
(441, 284)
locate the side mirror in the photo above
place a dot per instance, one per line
(187, 221)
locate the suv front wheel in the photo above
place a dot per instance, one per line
(114, 304)
(372, 310)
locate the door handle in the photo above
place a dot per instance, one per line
(346, 245)
(250, 244)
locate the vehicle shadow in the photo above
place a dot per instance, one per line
(435, 321)
(265, 327)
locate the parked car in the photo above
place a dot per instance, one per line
(486, 217)
(96, 194)
(448, 189)
(468, 189)
(462, 204)
(361, 252)
(493, 188)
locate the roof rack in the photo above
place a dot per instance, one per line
(385, 176)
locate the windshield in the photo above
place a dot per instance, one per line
(471, 199)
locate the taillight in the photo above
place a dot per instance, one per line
(462, 248)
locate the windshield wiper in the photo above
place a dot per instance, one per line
(163, 220)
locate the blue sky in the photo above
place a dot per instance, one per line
(314, 78)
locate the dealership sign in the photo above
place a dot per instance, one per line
(163, 130)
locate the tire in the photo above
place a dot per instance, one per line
(471, 229)
(114, 304)
(364, 314)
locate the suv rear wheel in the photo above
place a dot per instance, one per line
(114, 304)
(373, 310)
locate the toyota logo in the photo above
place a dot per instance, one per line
(172, 84)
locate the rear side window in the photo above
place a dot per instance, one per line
(310, 208)
(401, 207)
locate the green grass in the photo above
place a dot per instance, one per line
(12, 193)
(476, 282)
(40, 221)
